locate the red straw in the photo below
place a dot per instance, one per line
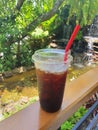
(76, 29)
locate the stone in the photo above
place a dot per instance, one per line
(53, 45)
(10, 107)
(93, 31)
(19, 70)
(23, 100)
(29, 68)
(7, 74)
(1, 78)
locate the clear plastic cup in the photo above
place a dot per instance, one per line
(51, 71)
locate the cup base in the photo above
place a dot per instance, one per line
(50, 109)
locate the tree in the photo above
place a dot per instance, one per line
(17, 20)
(20, 17)
(16, 12)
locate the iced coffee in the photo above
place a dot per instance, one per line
(51, 71)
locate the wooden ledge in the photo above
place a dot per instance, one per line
(34, 118)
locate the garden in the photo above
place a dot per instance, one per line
(29, 25)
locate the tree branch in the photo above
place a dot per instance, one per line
(19, 4)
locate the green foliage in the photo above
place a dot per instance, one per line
(39, 33)
(7, 61)
(84, 10)
(13, 22)
(74, 119)
(49, 24)
(25, 55)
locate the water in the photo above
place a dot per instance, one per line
(18, 85)
(92, 37)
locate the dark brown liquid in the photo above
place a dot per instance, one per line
(51, 89)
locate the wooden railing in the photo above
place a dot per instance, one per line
(33, 117)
